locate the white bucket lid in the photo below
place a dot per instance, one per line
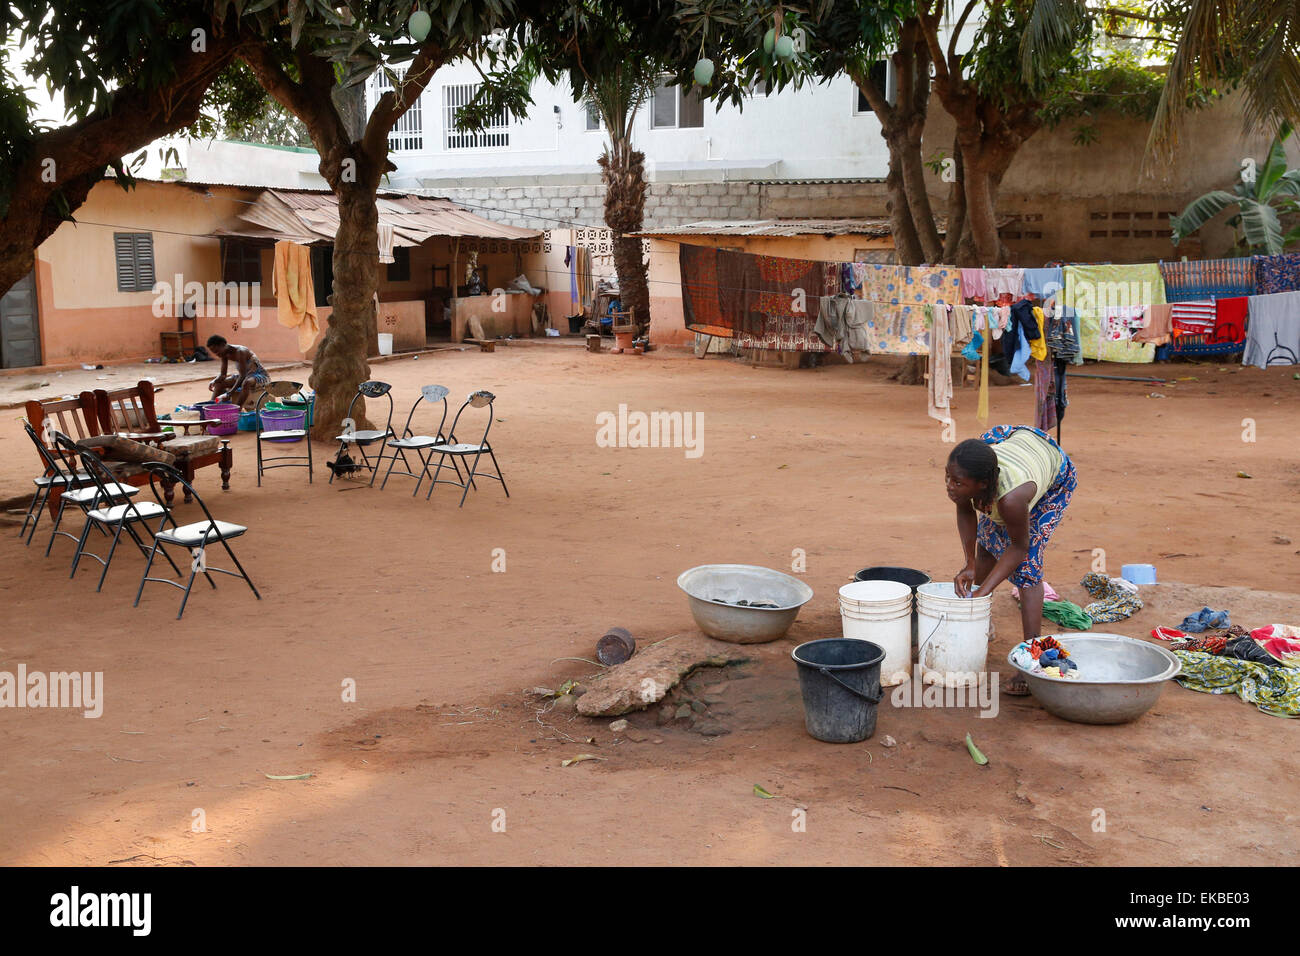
(872, 592)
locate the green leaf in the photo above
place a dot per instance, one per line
(760, 792)
(975, 754)
(1199, 212)
(579, 759)
(1262, 227)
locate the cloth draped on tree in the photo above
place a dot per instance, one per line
(295, 296)
(1090, 290)
(1276, 273)
(1208, 278)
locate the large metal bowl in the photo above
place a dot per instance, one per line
(708, 584)
(1121, 679)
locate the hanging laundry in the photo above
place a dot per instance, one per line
(1038, 343)
(857, 319)
(972, 349)
(1044, 283)
(973, 285)
(701, 309)
(842, 323)
(1208, 278)
(1158, 324)
(1044, 396)
(295, 295)
(982, 406)
(961, 320)
(1090, 290)
(899, 326)
(1274, 690)
(781, 303)
(1019, 361)
(1115, 600)
(999, 282)
(1230, 320)
(1192, 318)
(386, 243)
(1277, 273)
(939, 385)
(1273, 330)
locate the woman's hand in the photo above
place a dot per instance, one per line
(964, 581)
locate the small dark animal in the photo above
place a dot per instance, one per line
(343, 465)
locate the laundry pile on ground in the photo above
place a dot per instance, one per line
(1261, 666)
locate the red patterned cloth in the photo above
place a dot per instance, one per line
(1230, 320)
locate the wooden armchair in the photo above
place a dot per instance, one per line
(130, 412)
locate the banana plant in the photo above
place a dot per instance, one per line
(1262, 195)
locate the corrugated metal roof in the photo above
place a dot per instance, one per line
(777, 227)
(308, 216)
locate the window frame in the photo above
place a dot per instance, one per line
(681, 93)
(136, 241)
(498, 136)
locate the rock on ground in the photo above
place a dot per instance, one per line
(650, 673)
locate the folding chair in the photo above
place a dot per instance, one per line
(456, 449)
(53, 478)
(367, 437)
(89, 495)
(420, 444)
(114, 517)
(279, 389)
(195, 537)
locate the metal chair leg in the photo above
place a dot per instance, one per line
(185, 598)
(109, 560)
(226, 545)
(145, 577)
(499, 475)
(81, 546)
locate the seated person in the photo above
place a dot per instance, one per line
(236, 389)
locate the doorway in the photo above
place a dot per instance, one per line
(20, 329)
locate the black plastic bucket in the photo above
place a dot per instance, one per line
(840, 680)
(909, 576)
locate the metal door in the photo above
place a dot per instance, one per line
(20, 336)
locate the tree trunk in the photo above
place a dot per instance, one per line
(907, 245)
(956, 208)
(341, 361)
(623, 170)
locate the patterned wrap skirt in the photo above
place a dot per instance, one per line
(1043, 518)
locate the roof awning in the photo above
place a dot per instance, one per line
(313, 217)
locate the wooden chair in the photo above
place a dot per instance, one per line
(130, 412)
(74, 417)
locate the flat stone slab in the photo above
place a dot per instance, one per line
(652, 672)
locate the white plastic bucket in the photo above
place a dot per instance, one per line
(953, 633)
(385, 343)
(881, 612)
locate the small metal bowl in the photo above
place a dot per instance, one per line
(710, 584)
(1121, 679)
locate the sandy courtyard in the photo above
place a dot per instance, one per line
(400, 596)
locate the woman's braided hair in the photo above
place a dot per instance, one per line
(979, 462)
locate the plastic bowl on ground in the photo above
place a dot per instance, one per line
(1120, 679)
(715, 590)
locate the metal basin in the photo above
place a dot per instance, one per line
(711, 583)
(1122, 679)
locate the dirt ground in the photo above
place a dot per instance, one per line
(399, 595)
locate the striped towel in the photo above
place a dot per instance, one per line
(1193, 318)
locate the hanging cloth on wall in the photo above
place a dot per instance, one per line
(1230, 320)
(701, 308)
(295, 296)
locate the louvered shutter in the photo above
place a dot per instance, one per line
(144, 275)
(124, 249)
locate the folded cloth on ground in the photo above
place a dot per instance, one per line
(1167, 634)
(1205, 619)
(1274, 690)
(1114, 601)
(117, 448)
(1067, 614)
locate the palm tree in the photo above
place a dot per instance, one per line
(616, 95)
(1259, 196)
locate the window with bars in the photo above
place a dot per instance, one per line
(495, 134)
(593, 118)
(134, 254)
(408, 132)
